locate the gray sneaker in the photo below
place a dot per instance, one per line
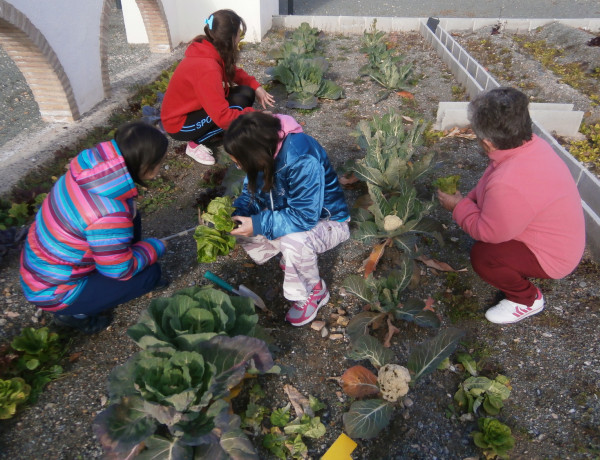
(303, 312)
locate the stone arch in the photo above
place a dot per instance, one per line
(157, 27)
(39, 64)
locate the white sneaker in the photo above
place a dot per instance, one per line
(507, 311)
(202, 154)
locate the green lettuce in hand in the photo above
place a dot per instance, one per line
(219, 213)
(211, 243)
(447, 184)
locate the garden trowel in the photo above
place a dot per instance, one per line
(242, 290)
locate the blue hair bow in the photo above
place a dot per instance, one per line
(209, 21)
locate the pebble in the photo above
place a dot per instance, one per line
(336, 336)
(407, 402)
(547, 334)
(317, 325)
(324, 332)
(554, 416)
(343, 321)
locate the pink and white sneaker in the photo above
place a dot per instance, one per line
(507, 311)
(201, 153)
(303, 312)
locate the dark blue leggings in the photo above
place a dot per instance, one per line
(102, 293)
(199, 126)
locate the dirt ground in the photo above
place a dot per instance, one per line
(552, 359)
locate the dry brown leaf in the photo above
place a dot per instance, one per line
(429, 304)
(74, 356)
(370, 263)
(405, 94)
(348, 179)
(437, 265)
(300, 403)
(390, 333)
(358, 382)
(407, 119)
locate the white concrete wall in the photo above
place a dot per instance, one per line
(72, 29)
(186, 18)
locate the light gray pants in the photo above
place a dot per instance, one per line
(299, 251)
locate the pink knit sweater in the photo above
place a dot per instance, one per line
(528, 194)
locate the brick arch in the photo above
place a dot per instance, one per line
(157, 27)
(39, 64)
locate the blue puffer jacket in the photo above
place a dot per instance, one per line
(305, 189)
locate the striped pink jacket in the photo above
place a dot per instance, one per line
(85, 224)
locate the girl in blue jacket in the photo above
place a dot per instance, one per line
(291, 203)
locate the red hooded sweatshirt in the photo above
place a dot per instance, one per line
(527, 194)
(199, 83)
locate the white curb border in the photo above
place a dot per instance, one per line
(475, 78)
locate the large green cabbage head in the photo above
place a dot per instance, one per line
(192, 316)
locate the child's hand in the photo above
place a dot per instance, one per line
(264, 98)
(245, 228)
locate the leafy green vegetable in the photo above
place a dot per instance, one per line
(281, 417)
(211, 243)
(447, 184)
(191, 316)
(478, 392)
(219, 213)
(426, 357)
(495, 437)
(181, 396)
(13, 392)
(366, 419)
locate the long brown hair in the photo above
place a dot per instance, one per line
(252, 139)
(221, 33)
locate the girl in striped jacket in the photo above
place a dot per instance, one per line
(84, 254)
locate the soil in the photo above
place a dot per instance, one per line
(552, 359)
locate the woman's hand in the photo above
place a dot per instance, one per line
(264, 98)
(448, 201)
(245, 228)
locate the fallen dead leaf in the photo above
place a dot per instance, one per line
(358, 382)
(300, 403)
(390, 333)
(437, 265)
(405, 94)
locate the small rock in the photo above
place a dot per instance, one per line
(336, 336)
(405, 414)
(583, 284)
(334, 316)
(39, 312)
(468, 417)
(324, 332)
(554, 416)
(341, 311)
(317, 325)
(547, 334)
(407, 402)
(343, 321)
(541, 437)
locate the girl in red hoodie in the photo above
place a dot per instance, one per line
(207, 91)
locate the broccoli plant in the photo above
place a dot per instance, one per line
(384, 64)
(171, 403)
(394, 220)
(390, 148)
(303, 41)
(304, 81)
(377, 396)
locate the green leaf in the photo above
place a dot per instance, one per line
(159, 448)
(311, 427)
(13, 392)
(367, 347)
(358, 286)
(366, 419)
(274, 442)
(359, 324)
(468, 363)
(315, 404)
(281, 417)
(302, 100)
(427, 356)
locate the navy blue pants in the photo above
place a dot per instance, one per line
(199, 126)
(102, 293)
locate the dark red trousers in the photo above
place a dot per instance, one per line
(507, 266)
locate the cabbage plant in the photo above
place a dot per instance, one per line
(167, 403)
(192, 316)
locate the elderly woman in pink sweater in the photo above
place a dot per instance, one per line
(525, 212)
